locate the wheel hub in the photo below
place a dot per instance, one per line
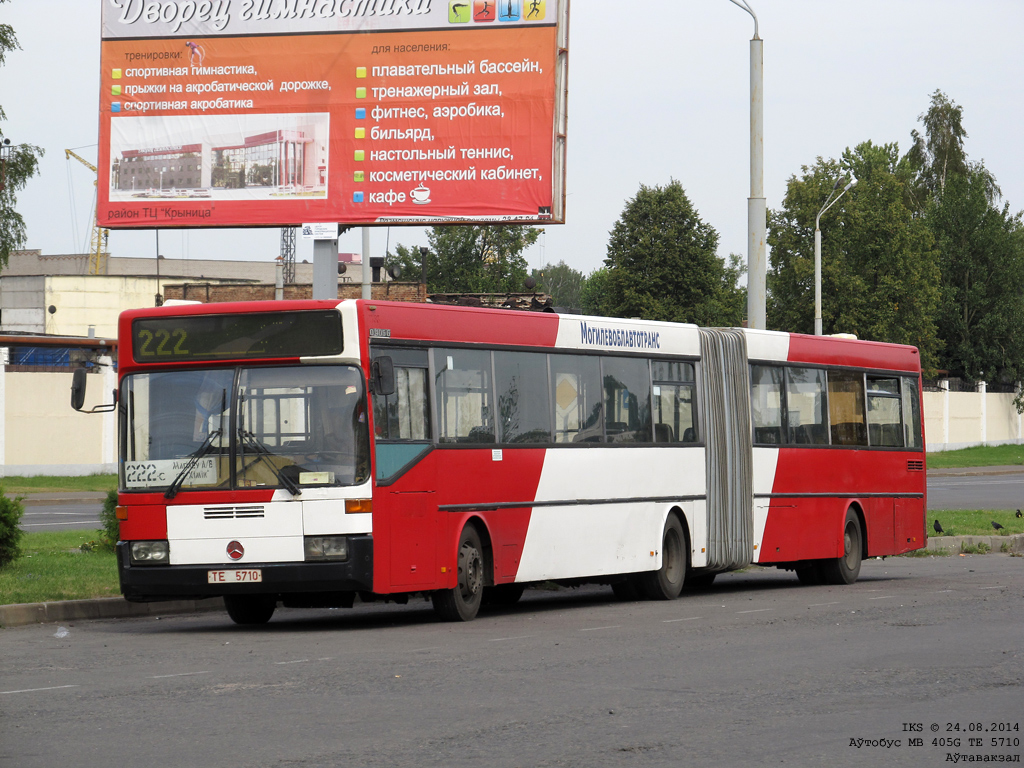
(470, 571)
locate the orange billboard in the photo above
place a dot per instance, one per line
(278, 112)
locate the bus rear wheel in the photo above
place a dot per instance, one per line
(463, 602)
(667, 582)
(250, 609)
(846, 569)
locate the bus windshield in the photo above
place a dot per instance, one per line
(292, 427)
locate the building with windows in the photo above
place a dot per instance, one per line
(276, 159)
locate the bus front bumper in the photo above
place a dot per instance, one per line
(144, 584)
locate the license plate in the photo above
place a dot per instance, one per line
(249, 576)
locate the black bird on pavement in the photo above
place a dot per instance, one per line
(937, 527)
(997, 526)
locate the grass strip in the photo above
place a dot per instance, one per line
(53, 566)
(981, 456)
(974, 522)
(49, 484)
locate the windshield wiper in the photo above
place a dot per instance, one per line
(263, 453)
(205, 448)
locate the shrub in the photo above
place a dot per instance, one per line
(10, 528)
(108, 518)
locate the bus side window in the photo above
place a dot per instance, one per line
(521, 385)
(404, 415)
(766, 404)
(846, 408)
(911, 413)
(576, 384)
(627, 399)
(806, 422)
(464, 399)
(884, 427)
(675, 406)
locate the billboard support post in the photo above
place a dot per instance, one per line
(367, 268)
(325, 269)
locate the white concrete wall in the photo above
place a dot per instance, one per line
(40, 434)
(954, 420)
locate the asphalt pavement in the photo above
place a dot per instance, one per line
(919, 664)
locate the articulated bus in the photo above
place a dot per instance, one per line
(305, 453)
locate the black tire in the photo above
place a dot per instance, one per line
(700, 580)
(250, 609)
(809, 575)
(503, 595)
(846, 569)
(463, 602)
(667, 582)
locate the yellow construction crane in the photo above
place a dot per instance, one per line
(100, 235)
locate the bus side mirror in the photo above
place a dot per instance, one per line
(78, 388)
(383, 374)
(78, 380)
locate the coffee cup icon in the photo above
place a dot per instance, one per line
(420, 195)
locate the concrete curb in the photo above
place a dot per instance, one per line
(956, 543)
(976, 471)
(54, 499)
(20, 614)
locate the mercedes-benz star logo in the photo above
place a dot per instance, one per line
(235, 550)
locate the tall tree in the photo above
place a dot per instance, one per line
(18, 163)
(563, 283)
(471, 258)
(880, 278)
(940, 152)
(594, 293)
(982, 261)
(663, 263)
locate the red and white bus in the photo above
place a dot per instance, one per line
(303, 453)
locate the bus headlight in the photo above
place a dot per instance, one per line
(150, 553)
(326, 548)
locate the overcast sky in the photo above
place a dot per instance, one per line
(657, 90)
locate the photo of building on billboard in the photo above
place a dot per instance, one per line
(269, 115)
(220, 157)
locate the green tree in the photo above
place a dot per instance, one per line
(663, 263)
(560, 281)
(939, 154)
(880, 276)
(981, 251)
(19, 163)
(471, 258)
(594, 293)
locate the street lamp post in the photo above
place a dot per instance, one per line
(817, 249)
(757, 260)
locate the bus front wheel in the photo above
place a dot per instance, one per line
(250, 609)
(846, 569)
(463, 602)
